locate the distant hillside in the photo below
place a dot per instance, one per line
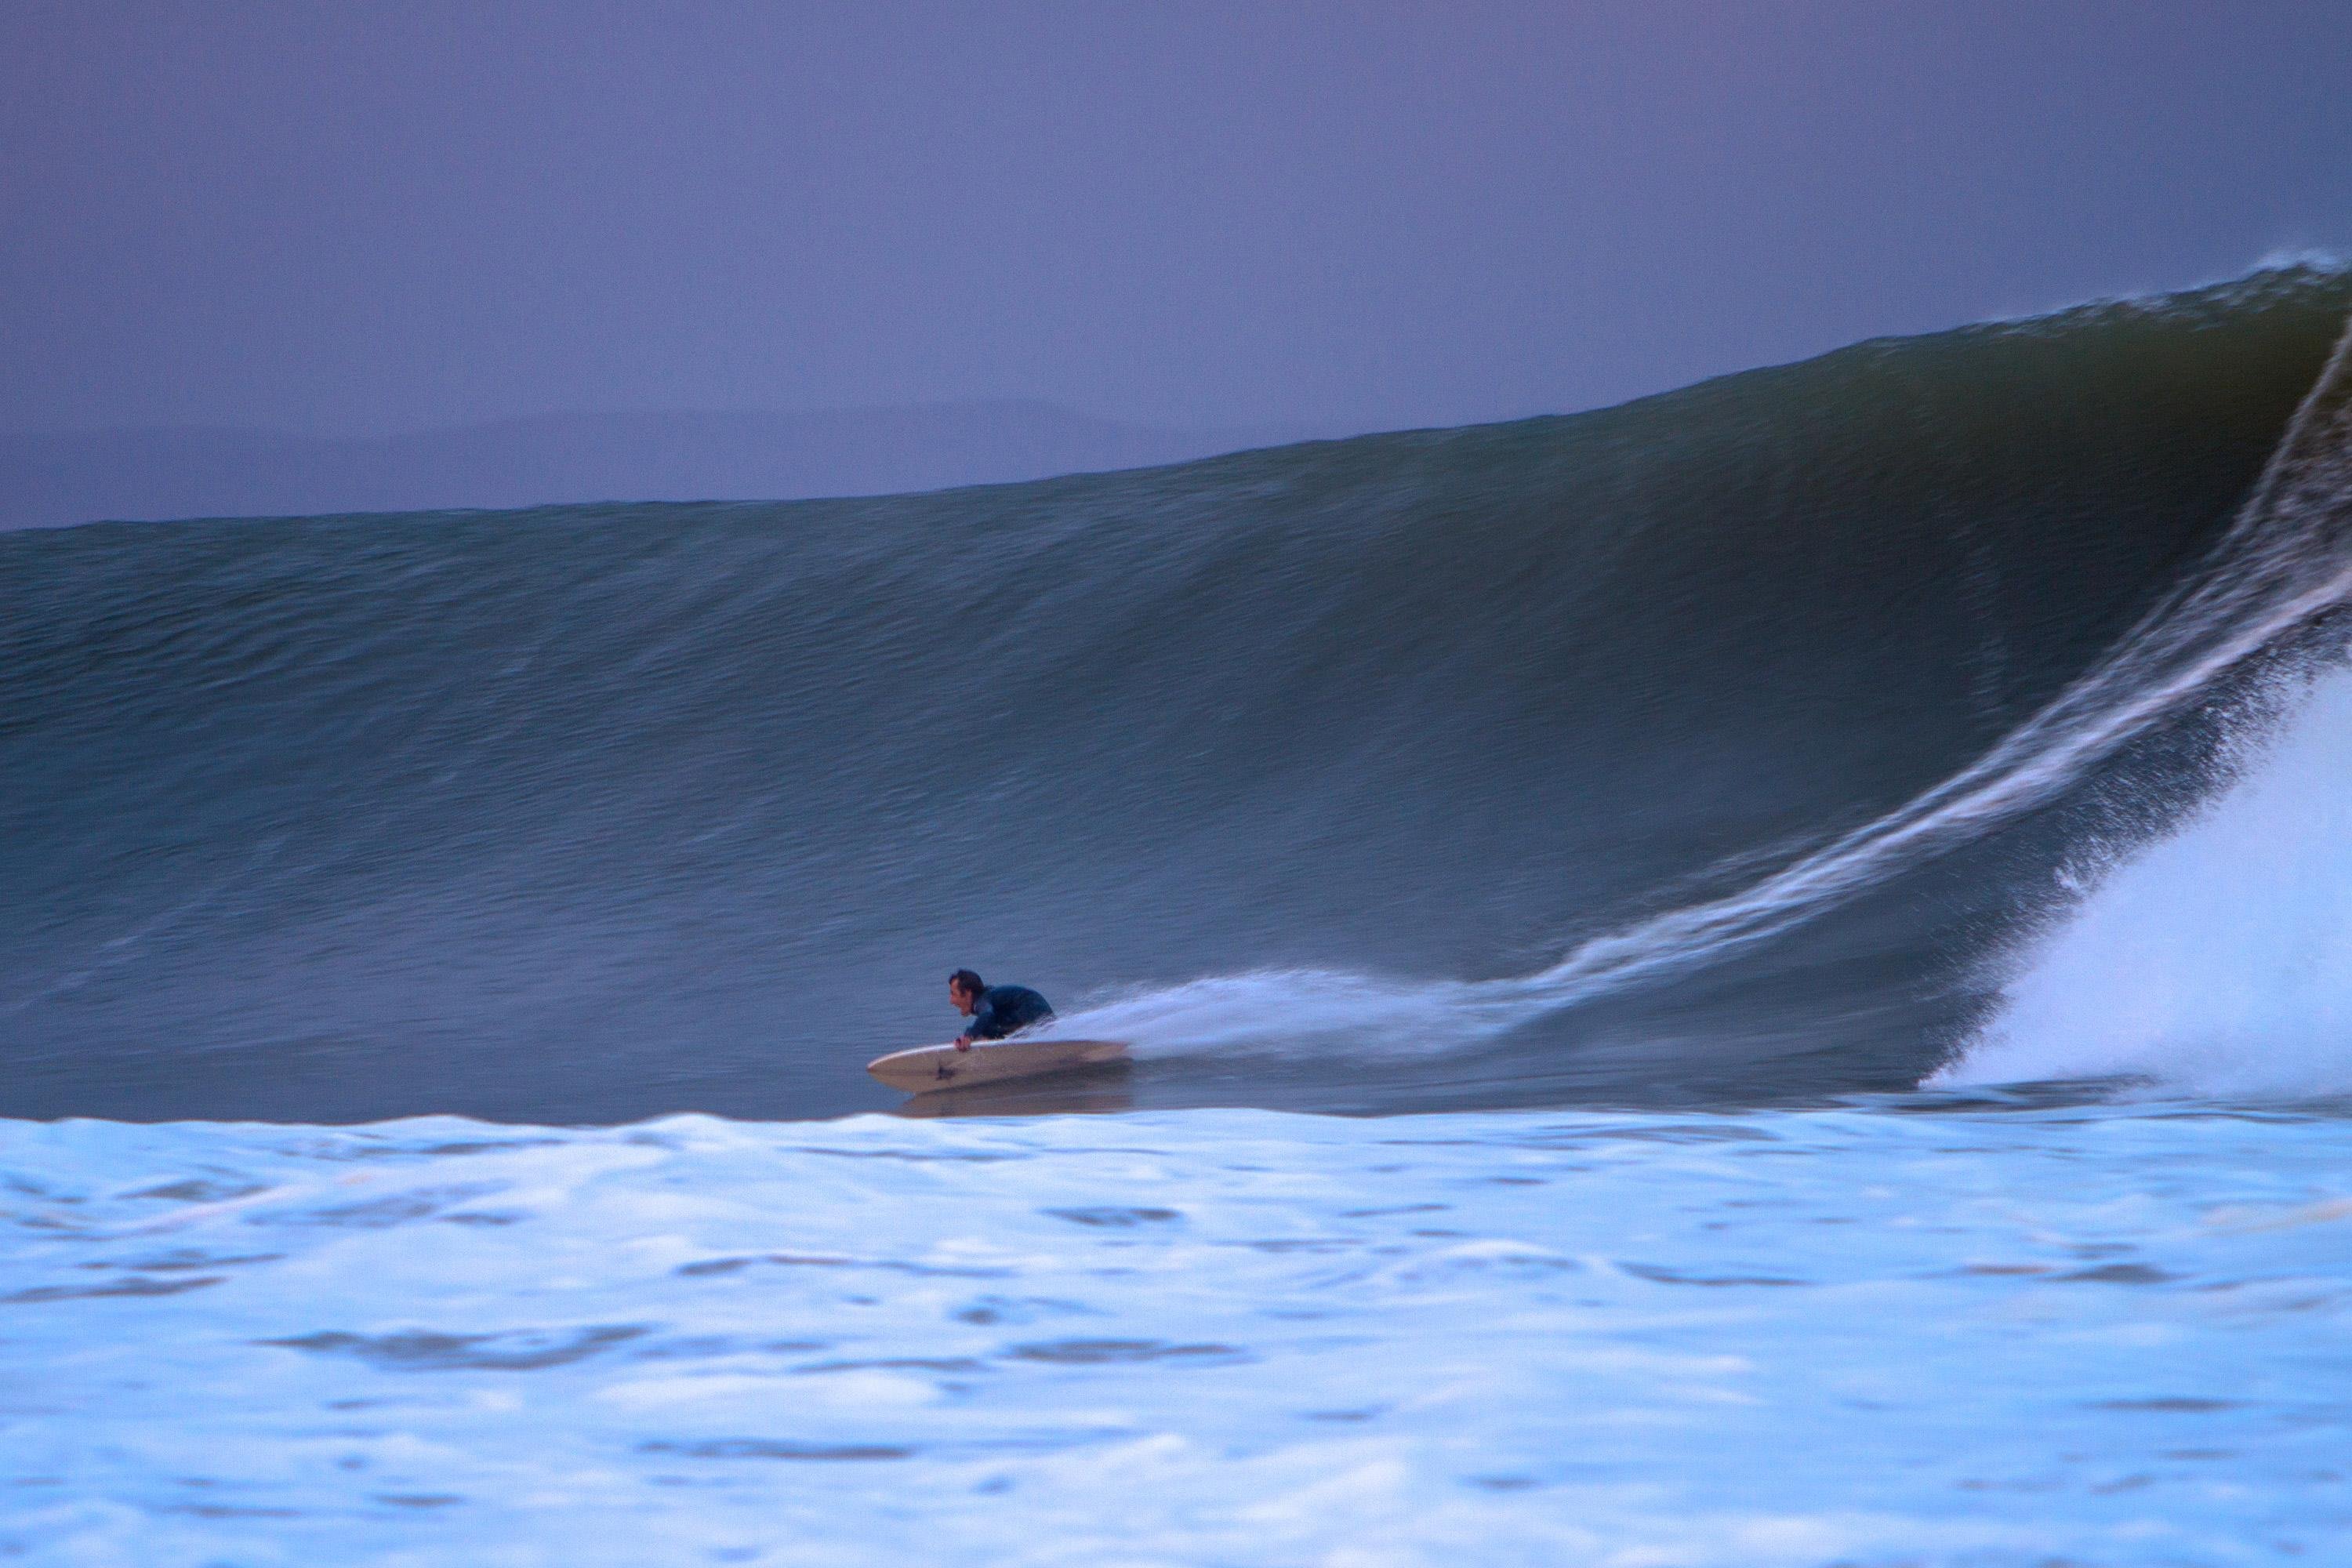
(179, 473)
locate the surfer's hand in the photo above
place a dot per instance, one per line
(962, 1044)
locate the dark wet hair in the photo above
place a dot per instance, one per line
(968, 981)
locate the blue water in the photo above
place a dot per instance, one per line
(1821, 897)
(1909, 1331)
(1694, 751)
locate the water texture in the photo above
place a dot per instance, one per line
(1832, 883)
(1992, 1334)
(1720, 749)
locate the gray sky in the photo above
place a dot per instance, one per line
(348, 217)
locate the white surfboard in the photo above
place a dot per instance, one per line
(930, 1067)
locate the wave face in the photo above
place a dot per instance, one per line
(1704, 748)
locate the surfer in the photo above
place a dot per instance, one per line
(1005, 1019)
(996, 1011)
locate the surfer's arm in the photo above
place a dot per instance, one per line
(987, 1024)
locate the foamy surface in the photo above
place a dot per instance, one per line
(1908, 1331)
(2217, 960)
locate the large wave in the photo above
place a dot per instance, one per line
(1702, 747)
(2284, 568)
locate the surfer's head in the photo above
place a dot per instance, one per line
(964, 987)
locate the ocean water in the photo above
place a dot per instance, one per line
(1754, 978)
(1700, 750)
(1910, 1331)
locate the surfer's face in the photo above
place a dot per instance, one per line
(964, 1000)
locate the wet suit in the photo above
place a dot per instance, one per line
(1002, 1009)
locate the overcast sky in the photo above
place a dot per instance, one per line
(350, 219)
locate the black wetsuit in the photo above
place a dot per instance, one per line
(1002, 1009)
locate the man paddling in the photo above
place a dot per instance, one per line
(996, 1011)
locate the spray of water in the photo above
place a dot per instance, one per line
(1300, 1011)
(2218, 961)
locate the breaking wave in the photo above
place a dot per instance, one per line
(1707, 748)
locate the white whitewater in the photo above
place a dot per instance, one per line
(2218, 961)
(2001, 1338)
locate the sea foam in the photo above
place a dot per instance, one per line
(1952, 1335)
(2218, 959)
